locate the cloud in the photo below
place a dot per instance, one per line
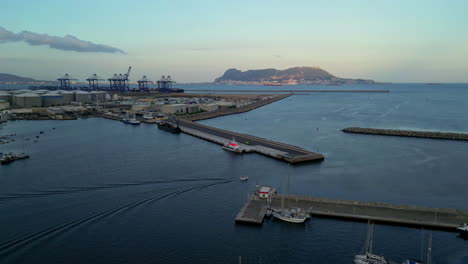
(68, 43)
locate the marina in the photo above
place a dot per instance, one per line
(254, 211)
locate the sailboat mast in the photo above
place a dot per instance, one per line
(429, 250)
(371, 234)
(422, 244)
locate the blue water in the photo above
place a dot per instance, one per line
(92, 190)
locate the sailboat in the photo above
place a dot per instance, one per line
(368, 257)
(292, 215)
(429, 252)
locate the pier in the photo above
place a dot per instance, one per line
(288, 91)
(407, 133)
(249, 143)
(405, 215)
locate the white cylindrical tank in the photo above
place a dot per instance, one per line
(27, 100)
(52, 99)
(82, 97)
(5, 96)
(68, 97)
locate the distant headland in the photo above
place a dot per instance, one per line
(291, 76)
(6, 78)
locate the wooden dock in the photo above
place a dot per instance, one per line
(277, 150)
(406, 215)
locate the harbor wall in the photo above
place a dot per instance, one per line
(407, 133)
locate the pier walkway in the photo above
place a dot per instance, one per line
(277, 150)
(407, 215)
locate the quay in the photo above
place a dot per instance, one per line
(249, 143)
(407, 133)
(288, 91)
(237, 110)
(405, 215)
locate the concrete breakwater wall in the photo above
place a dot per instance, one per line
(229, 111)
(289, 91)
(407, 133)
(249, 143)
(407, 215)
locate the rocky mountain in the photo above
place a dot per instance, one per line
(296, 75)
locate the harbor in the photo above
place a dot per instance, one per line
(255, 208)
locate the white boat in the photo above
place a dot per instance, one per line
(131, 121)
(243, 178)
(148, 116)
(368, 257)
(233, 146)
(291, 216)
(412, 261)
(463, 228)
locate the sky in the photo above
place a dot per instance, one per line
(196, 41)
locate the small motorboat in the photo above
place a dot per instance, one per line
(243, 178)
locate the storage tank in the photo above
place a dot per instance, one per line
(5, 96)
(40, 91)
(22, 91)
(98, 95)
(82, 97)
(52, 99)
(27, 100)
(68, 97)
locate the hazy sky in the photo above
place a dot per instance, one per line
(193, 41)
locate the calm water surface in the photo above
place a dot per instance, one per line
(99, 191)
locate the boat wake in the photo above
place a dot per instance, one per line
(15, 196)
(7, 248)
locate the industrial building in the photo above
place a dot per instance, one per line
(209, 107)
(174, 108)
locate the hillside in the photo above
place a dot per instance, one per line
(11, 78)
(296, 75)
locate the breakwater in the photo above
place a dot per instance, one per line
(407, 215)
(407, 133)
(249, 143)
(289, 91)
(236, 110)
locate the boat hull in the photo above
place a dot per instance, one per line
(169, 128)
(233, 150)
(295, 220)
